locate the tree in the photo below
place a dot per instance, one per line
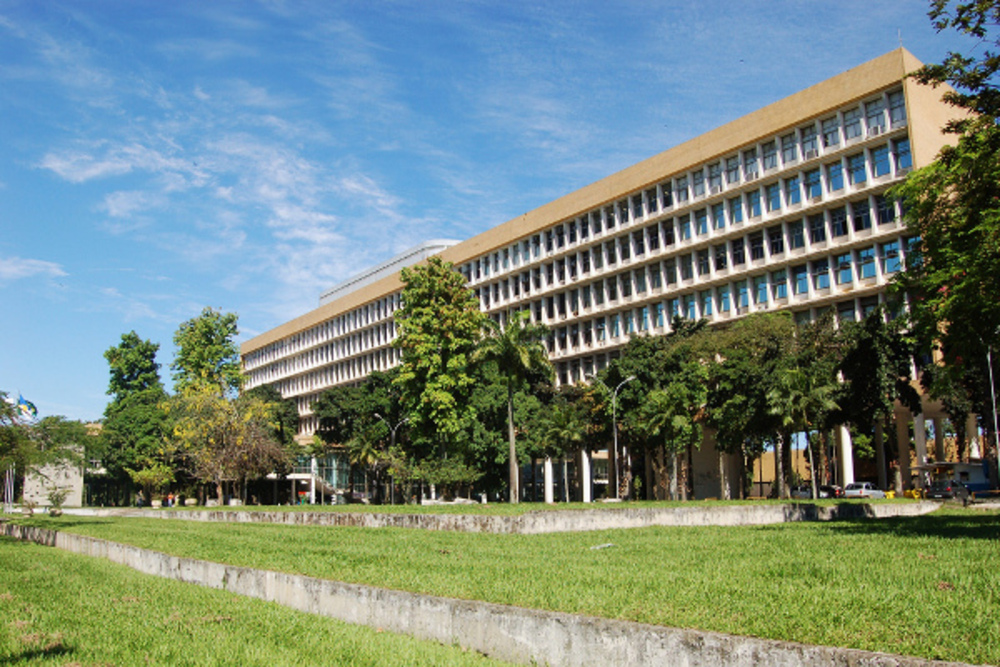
(518, 352)
(207, 353)
(135, 429)
(953, 207)
(439, 327)
(284, 412)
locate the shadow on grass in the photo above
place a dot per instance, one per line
(955, 524)
(57, 649)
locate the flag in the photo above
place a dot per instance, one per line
(26, 407)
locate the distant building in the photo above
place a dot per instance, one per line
(784, 208)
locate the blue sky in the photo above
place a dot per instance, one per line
(161, 157)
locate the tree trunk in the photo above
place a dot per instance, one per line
(673, 476)
(513, 469)
(779, 466)
(723, 481)
(812, 468)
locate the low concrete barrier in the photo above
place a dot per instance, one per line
(509, 633)
(554, 521)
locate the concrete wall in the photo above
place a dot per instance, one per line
(563, 520)
(509, 633)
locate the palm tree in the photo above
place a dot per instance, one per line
(798, 400)
(563, 429)
(518, 352)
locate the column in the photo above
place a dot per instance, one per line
(845, 449)
(313, 471)
(549, 492)
(920, 444)
(586, 483)
(903, 446)
(972, 436)
(939, 453)
(883, 482)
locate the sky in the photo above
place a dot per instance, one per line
(157, 158)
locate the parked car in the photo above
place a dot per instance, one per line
(863, 490)
(802, 491)
(830, 491)
(948, 489)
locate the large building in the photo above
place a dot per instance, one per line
(784, 208)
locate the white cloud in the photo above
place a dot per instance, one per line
(17, 268)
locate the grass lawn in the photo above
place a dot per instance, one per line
(925, 586)
(64, 609)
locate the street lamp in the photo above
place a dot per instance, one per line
(392, 445)
(614, 425)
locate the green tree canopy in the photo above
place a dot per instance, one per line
(207, 352)
(133, 366)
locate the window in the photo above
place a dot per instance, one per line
(585, 297)
(844, 269)
(814, 187)
(719, 216)
(701, 221)
(640, 281)
(612, 286)
(800, 279)
(773, 197)
(721, 257)
(668, 195)
(856, 171)
(831, 132)
(623, 212)
(653, 237)
(901, 149)
(735, 210)
(687, 267)
(817, 228)
(852, 124)
(776, 240)
(715, 177)
(736, 245)
(742, 294)
(733, 170)
(572, 231)
(723, 298)
(757, 245)
(753, 203)
(616, 326)
(670, 268)
(706, 302)
(875, 117)
(684, 222)
(866, 262)
(673, 307)
(549, 246)
(639, 242)
(703, 268)
(760, 290)
(880, 161)
(885, 209)
(652, 201)
(609, 253)
(897, 108)
(769, 155)
(845, 311)
(889, 253)
(690, 308)
(834, 177)
(809, 144)
(779, 284)
(655, 278)
(585, 261)
(668, 231)
(861, 213)
(659, 315)
(636, 207)
(789, 149)
(914, 255)
(600, 328)
(643, 316)
(793, 193)
(821, 273)
(681, 189)
(796, 237)
(597, 255)
(609, 217)
(868, 305)
(750, 163)
(584, 227)
(629, 322)
(838, 222)
(698, 183)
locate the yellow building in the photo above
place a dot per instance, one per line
(784, 208)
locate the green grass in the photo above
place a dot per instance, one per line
(64, 609)
(924, 586)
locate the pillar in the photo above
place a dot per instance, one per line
(939, 453)
(586, 483)
(920, 444)
(844, 449)
(549, 490)
(903, 447)
(313, 471)
(883, 481)
(972, 435)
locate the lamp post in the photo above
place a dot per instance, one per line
(392, 445)
(614, 425)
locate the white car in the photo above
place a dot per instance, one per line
(863, 490)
